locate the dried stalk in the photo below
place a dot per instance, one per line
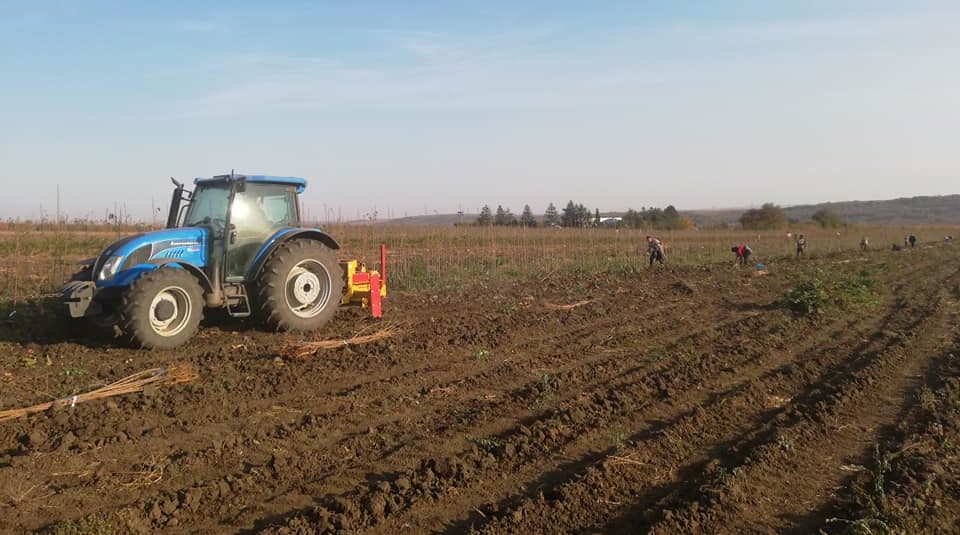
(571, 306)
(171, 375)
(303, 350)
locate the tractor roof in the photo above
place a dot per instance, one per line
(300, 183)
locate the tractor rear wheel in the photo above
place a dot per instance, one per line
(300, 287)
(162, 309)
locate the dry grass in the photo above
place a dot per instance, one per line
(422, 257)
(571, 306)
(303, 350)
(150, 473)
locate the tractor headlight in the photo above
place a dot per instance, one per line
(110, 267)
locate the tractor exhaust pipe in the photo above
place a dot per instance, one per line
(173, 217)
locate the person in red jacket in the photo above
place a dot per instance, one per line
(743, 252)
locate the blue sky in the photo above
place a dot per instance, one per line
(413, 106)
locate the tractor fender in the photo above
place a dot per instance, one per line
(283, 236)
(198, 273)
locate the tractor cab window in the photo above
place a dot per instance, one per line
(208, 206)
(261, 208)
(280, 209)
(257, 212)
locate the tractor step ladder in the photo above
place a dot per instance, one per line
(241, 308)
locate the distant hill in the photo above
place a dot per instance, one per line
(434, 219)
(942, 209)
(708, 218)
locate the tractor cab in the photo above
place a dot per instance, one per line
(240, 213)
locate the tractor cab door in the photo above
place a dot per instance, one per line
(257, 211)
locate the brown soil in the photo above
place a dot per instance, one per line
(669, 401)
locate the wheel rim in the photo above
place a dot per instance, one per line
(308, 288)
(170, 311)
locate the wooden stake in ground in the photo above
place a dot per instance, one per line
(171, 375)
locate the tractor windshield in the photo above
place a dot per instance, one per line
(208, 204)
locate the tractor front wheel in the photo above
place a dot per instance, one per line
(162, 309)
(300, 287)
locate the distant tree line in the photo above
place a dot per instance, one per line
(767, 217)
(772, 217)
(505, 218)
(577, 215)
(827, 218)
(655, 218)
(574, 215)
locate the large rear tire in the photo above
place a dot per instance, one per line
(300, 287)
(162, 309)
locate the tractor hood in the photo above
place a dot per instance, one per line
(129, 256)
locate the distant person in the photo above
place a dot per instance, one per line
(906, 241)
(913, 241)
(655, 248)
(801, 245)
(864, 243)
(743, 252)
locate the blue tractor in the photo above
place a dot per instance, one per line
(233, 243)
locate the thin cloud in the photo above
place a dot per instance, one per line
(194, 26)
(26, 15)
(502, 70)
(283, 84)
(432, 51)
(508, 69)
(813, 28)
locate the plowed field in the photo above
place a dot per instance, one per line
(680, 400)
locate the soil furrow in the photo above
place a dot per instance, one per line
(553, 513)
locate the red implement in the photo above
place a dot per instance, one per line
(375, 309)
